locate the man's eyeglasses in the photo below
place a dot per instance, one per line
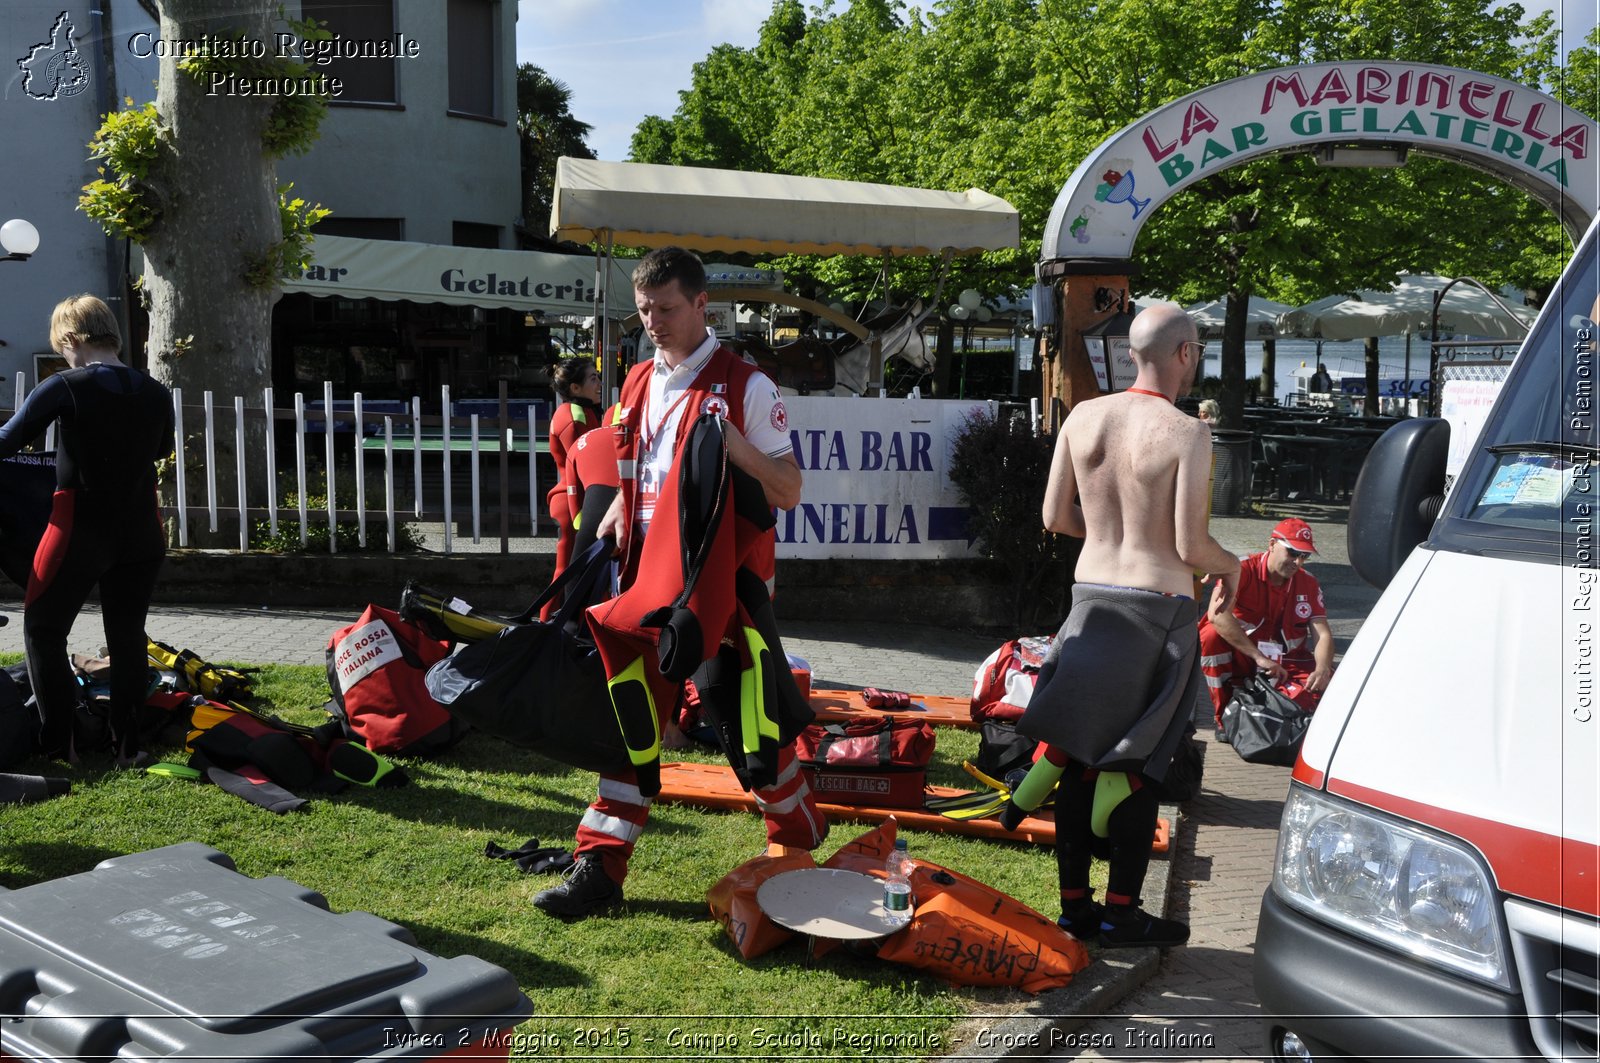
(1199, 348)
(1299, 556)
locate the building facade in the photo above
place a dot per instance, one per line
(419, 144)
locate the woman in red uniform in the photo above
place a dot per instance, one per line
(577, 387)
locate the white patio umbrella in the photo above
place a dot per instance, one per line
(1145, 302)
(1261, 319)
(1467, 310)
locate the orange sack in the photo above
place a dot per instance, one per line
(965, 932)
(733, 903)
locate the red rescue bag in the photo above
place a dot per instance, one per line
(876, 762)
(375, 670)
(1003, 684)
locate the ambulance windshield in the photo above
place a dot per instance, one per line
(1533, 474)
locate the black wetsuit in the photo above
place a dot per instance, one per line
(113, 424)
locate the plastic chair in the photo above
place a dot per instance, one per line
(1287, 470)
(1263, 474)
(1344, 466)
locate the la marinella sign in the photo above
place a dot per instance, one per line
(1521, 135)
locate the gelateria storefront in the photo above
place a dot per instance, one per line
(392, 319)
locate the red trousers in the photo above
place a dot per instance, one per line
(612, 823)
(1223, 666)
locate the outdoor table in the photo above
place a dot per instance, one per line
(1287, 428)
(1312, 449)
(1351, 430)
(430, 450)
(434, 444)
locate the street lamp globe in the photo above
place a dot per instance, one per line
(19, 239)
(958, 312)
(970, 299)
(983, 313)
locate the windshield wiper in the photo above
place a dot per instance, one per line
(1562, 447)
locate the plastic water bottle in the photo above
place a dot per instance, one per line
(897, 904)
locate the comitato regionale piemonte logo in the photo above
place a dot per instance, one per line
(55, 68)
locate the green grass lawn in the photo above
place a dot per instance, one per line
(657, 979)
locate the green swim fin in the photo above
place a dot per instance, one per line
(173, 771)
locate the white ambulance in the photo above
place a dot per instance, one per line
(1435, 887)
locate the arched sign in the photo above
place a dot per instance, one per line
(1520, 135)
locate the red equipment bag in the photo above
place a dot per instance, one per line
(375, 670)
(1004, 681)
(881, 763)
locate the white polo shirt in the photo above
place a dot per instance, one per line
(766, 422)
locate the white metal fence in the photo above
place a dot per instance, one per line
(362, 447)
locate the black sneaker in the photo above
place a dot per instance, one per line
(1129, 926)
(1081, 919)
(586, 891)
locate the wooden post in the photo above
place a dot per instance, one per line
(1066, 376)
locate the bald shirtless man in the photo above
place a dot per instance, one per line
(1114, 698)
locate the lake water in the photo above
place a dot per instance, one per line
(1342, 359)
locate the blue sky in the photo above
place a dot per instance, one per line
(625, 59)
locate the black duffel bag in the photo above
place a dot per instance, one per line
(1263, 725)
(541, 684)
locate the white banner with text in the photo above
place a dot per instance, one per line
(877, 479)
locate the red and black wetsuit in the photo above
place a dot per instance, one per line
(567, 425)
(114, 423)
(739, 558)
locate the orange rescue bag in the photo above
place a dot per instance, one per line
(733, 902)
(966, 932)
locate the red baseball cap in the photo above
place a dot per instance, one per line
(1295, 532)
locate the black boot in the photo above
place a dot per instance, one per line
(1127, 926)
(586, 891)
(1081, 919)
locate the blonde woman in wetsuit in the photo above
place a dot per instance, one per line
(113, 424)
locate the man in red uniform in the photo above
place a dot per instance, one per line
(691, 375)
(1278, 606)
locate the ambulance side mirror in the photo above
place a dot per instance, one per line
(1397, 496)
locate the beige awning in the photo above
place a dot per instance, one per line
(644, 205)
(469, 276)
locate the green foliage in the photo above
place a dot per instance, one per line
(291, 255)
(1000, 467)
(295, 122)
(1011, 95)
(129, 143)
(133, 145)
(546, 130)
(291, 125)
(413, 855)
(287, 540)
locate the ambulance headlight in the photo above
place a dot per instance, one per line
(1377, 877)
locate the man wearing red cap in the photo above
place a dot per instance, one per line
(1278, 605)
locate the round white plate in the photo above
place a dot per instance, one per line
(824, 902)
